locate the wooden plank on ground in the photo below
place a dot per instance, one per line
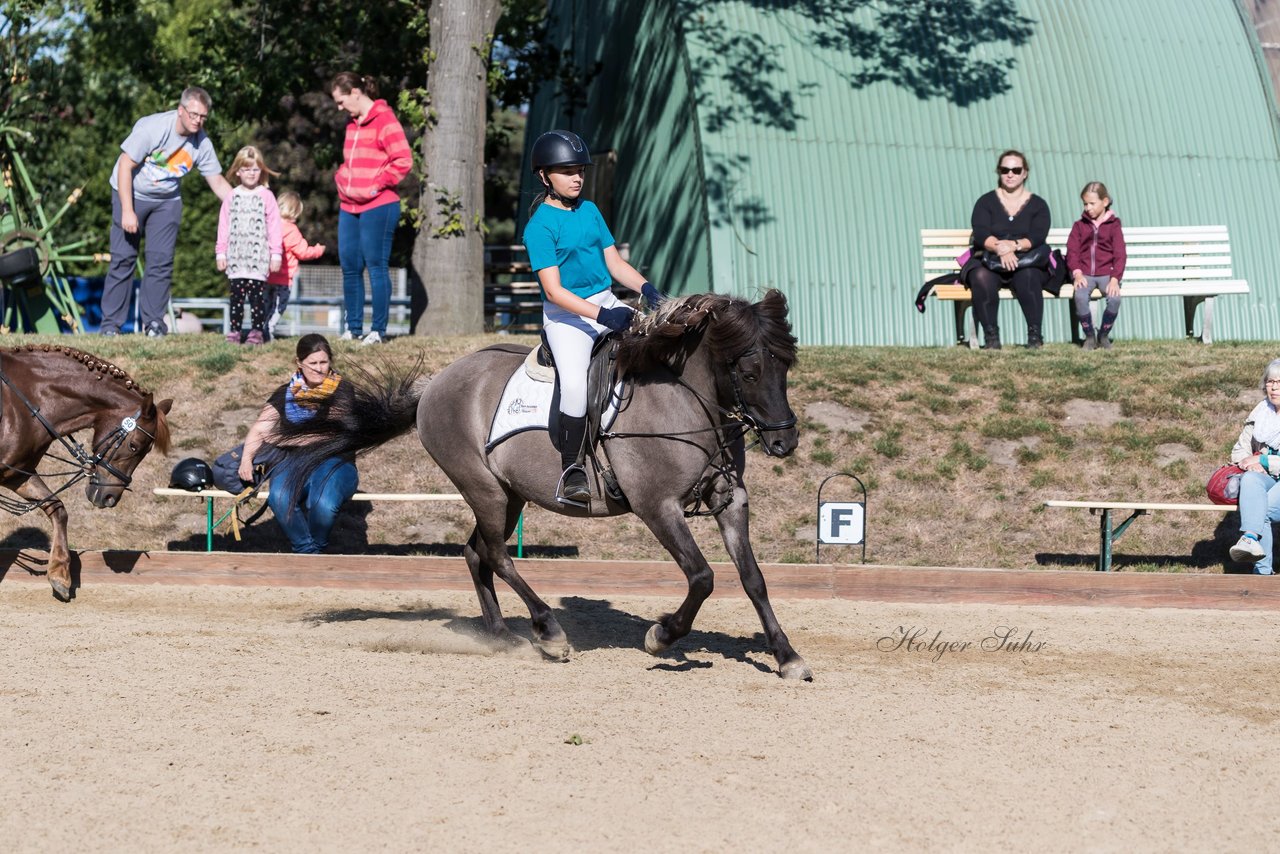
(1050, 587)
(662, 578)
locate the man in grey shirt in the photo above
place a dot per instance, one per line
(146, 201)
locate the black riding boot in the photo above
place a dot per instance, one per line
(574, 483)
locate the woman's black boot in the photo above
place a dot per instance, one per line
(573, 483)
(1034, 341)
(990, 338)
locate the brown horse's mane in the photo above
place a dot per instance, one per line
(95, 363)
(730, 325)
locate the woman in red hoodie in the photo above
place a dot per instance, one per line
(375, 158)
(1096, 257)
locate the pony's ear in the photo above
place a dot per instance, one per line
(774, 296)
(165, 405)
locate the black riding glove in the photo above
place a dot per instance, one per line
(652, 295)
(617, 319)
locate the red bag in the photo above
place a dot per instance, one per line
(1224, 484)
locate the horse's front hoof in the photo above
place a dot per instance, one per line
(796, 669)
(652, 644)
(61, 590)
(556, 649)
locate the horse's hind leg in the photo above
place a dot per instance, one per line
(734, 527)
(486, 554)
(482, 578)
(59, 569)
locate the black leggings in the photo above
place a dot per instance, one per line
(250, 291)
(1027, 285)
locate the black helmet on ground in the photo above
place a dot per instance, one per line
(559, 148)
(192, 474)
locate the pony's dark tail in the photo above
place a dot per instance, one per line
(383, 404)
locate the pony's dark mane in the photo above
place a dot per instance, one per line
(730, 325)
(384, 404)
(95, 363)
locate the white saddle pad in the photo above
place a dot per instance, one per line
(526, 405)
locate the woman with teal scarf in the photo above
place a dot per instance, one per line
(312, 392)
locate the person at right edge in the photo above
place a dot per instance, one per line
(576, 261)
(1008, 222)
(1257, 453)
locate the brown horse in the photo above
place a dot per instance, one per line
(47, 393)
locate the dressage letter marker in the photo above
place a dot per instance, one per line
(841, 522)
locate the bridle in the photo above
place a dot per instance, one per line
(86, 465)
(742, 413)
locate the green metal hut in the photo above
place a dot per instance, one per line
(744, 144)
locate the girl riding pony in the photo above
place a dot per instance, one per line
(576, 260)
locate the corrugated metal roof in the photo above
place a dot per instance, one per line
(823, 189)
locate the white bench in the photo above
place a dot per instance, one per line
(1108, 535)
(1192, 262)
(208, 496)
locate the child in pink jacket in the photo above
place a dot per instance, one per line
(249, 242)
(296, 249)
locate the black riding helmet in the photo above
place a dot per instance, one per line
(559, 148)
(192, 474)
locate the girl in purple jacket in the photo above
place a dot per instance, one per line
(1096, 258)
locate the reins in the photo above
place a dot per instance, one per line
(735, 424)
(86, 465)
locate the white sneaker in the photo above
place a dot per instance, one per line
(1247, 550)
(346, 336)
(371, 338)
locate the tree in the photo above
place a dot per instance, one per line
(448, 253)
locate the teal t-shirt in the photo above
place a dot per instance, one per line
(574, 241)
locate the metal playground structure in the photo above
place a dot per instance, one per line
(37, 294)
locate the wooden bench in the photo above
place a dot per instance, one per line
(1192, 262)
(1108, 534)
(513, 306)
(209, 495)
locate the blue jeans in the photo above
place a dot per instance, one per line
(364, 240)
(308, 523)
(1260, 506)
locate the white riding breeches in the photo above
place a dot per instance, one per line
(571, 337)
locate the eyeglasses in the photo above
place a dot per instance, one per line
(1272, 383)
(190, 112)
(1010, 170)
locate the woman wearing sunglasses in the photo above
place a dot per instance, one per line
(1010, 225)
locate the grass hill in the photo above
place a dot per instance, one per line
(957, 449)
